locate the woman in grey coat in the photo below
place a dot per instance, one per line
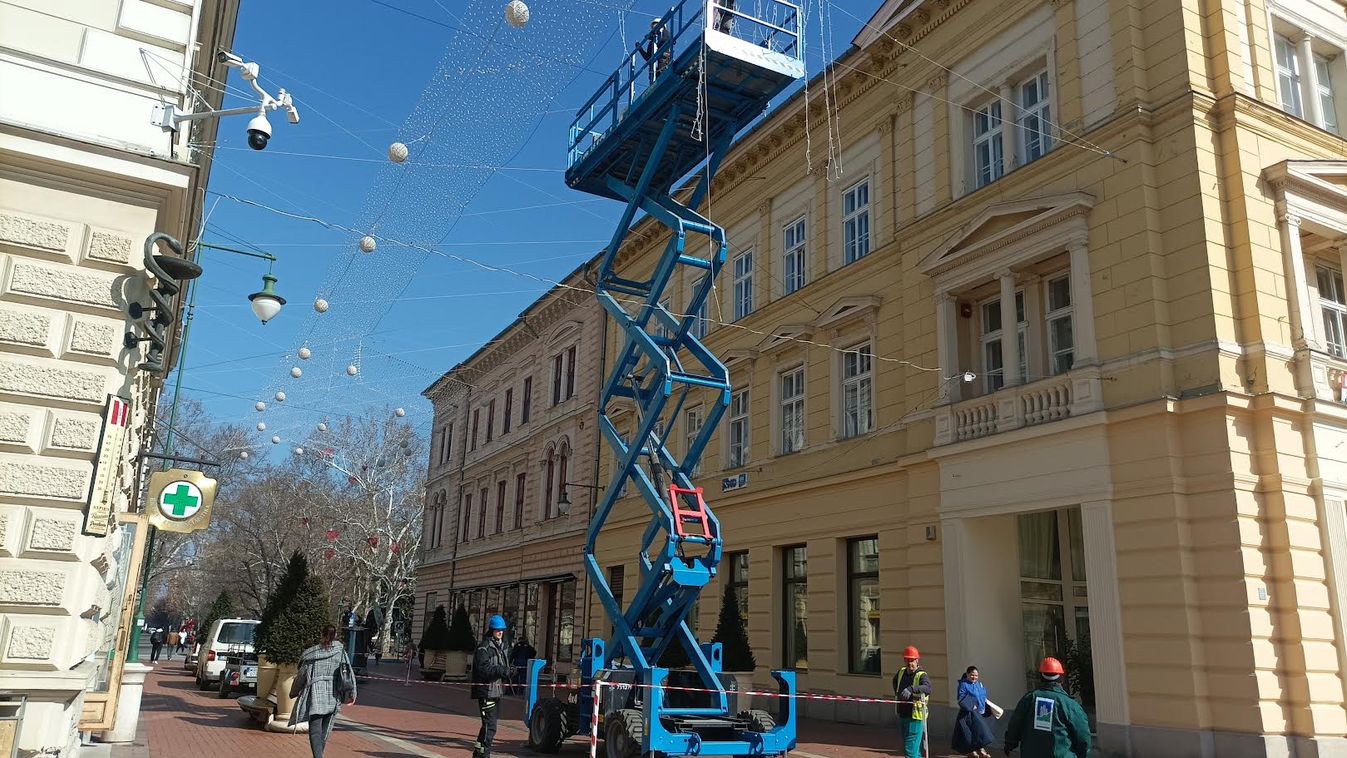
(318, 702)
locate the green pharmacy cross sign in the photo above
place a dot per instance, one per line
(180, 500)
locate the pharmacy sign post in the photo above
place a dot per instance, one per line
(180, 500)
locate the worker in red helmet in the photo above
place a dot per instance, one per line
(912, 690)
(1047, 722)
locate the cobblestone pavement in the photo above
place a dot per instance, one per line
(395, 719)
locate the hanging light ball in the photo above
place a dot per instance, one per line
(299, 451)
(280, 397)
(296, 371)
(367, 244)
(399, 412)
(397, 152)
(260, 406)
(516, 13)
(261, 427)
(244, 455)
(305, 353)
(322, 426)
(407, 452)
(275, 439)
(352, 370)
(320, 305)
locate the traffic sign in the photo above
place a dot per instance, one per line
(180, 500)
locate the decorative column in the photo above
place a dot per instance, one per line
(1101, 571)
(1297, 289)
(1309, 78)
(1085, 349)
(1033, 313)
(884, 196)
(1010, 326)
(947, 345)
(1007, 128)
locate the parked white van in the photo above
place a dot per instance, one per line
(225, 636)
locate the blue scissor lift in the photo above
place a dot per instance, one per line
(714, 66)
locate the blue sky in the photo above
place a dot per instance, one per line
(357, 69)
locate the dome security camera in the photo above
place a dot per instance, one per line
(259, 132)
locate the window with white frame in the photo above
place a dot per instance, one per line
(1035, 115)
(793, 257)
(993, 355)
(743, 284)
(738, 430)
(661, 329)
(692, 426)
(1333, 306)
(699, 325)
(1323, 82)
(1288, 75)
(857, 391)
(988, 150)
(1061, 341)
(792, 410)
(856, 222)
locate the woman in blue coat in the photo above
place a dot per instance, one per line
(971, 734)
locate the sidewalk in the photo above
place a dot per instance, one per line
(392, 719)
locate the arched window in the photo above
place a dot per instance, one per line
(551, 481)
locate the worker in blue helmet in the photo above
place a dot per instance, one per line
(490, 667)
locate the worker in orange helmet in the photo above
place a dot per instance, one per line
(912, 689)
(1048, 722)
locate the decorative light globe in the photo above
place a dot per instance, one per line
(261, 427)
(352, 370)
(244, 455)
(322, 426)
(260, 406)
(280, 397)
(516, 13)
(275, 439)
(367, 244)
(320, 305)
(296, 372)
(299, 451)
(305, 353)
(397, 152)
(399, 412)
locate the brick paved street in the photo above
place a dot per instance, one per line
(393, 719)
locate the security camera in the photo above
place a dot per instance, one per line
(259, 132)
(226, 57)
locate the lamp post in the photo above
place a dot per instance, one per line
(265, 304)
(564, 501)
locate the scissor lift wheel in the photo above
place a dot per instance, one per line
(550, 725)
(625, 734)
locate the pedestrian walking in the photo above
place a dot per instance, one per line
(912, 689)
(1047, 722)
(971, 733)
(324, 683)
(490, 667)
(173, 639)
(520, 655)
(156, 644)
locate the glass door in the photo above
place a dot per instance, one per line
(1054, 598)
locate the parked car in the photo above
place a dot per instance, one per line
(239, 673)
(225, 637)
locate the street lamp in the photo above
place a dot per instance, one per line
(266, 303)
(564, 502)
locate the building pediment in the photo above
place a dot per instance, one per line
(848, 309)
(1315, 191)
(786, 335)
(1004, 226)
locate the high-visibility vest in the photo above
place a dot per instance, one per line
(920, 706)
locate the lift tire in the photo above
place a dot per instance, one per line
(759, 722)
(549, 725)
(624, 736)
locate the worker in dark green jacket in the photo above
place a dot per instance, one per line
(1048, 722)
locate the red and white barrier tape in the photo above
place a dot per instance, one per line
(759, 693)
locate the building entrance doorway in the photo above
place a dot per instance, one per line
(1054, 598)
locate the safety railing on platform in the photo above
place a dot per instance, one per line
(773, 24)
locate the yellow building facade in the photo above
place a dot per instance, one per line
(1148, 480)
